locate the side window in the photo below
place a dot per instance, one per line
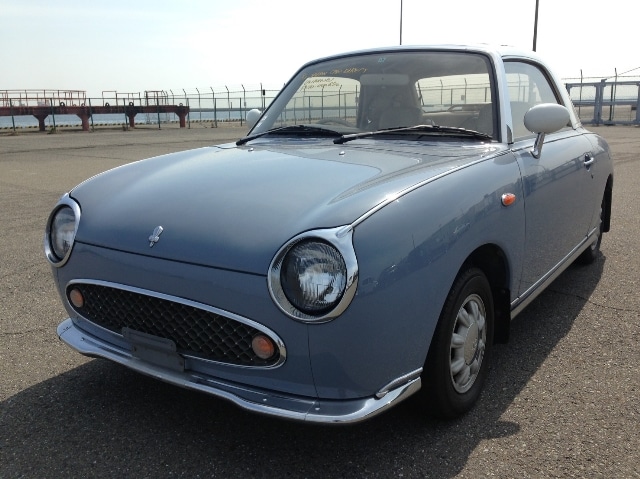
(528, 86)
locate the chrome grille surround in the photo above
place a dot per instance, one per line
(198, 330)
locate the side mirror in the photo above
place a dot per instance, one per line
(252, 117)
(543, 119)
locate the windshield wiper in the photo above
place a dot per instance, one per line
(295, 129)
(427, 129)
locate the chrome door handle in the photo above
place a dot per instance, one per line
(589, 160)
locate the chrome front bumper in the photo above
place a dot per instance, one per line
(253, 399)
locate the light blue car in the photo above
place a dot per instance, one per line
(370, 238)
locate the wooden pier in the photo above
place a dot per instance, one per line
(85, 112)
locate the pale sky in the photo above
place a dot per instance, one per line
(138, 45)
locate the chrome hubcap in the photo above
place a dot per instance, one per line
(468, 343)
(471, 343)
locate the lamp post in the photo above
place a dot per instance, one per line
(535, 28)
(400, 22)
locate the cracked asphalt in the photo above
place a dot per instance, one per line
(562, 397)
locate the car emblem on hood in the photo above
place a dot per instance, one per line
(155, 236)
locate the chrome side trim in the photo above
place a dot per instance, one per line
(271, 403)
(391, 198)
(279, 343)
(398, 382)
(534, 291)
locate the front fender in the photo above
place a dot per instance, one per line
(409, 254)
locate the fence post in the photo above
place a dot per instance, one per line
(186, 103)
(53, 114)
(597, 111)
(243, 106)
(613, 96)
(637, 120)
(213, 101)
(199, 105)
(91, 115)
(580, 98)
(13, 121)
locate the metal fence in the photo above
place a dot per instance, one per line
(605, 102)
(221, 105)
(597, 102)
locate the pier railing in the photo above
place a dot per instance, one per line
(597, 102)
(55, 108)
(606, 102)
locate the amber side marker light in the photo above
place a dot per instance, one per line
(508, 199)
(263, 346)
(76, 298)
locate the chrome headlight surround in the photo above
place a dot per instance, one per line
(337, 245)
(60, 232)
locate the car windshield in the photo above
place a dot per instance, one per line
(387, 90)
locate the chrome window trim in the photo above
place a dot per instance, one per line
(342, 239)
(66, 200)
(194, 304)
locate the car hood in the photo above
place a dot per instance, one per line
(234, 207)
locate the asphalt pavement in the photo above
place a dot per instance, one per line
(562, 398)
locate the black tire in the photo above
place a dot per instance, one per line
(457, 362)
(589, 255)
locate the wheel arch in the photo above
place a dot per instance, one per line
(492, 261)
(608, 196)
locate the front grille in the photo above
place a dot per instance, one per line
(195, 331)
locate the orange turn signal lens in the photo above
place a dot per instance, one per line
(263, 346)
(76, 298)
(508, 199)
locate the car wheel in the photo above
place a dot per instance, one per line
(457, 363)
(589, 255)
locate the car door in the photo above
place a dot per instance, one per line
(559, 189)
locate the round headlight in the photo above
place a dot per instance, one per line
(313, 276)
(61, 231)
